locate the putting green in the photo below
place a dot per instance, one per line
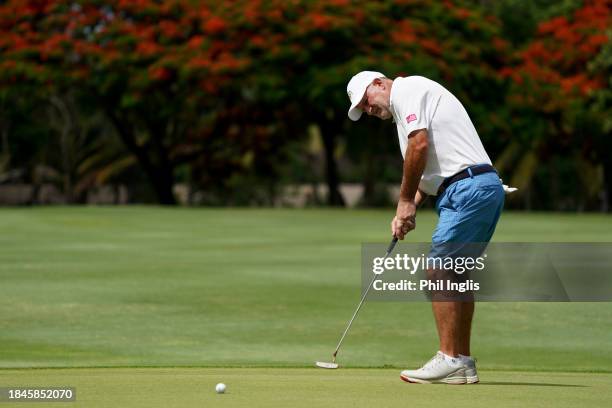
(180, 387)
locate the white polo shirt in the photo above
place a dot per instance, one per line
(420, 103)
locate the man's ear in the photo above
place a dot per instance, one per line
(377, 81)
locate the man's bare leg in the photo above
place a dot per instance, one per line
(467, 312)
(454, 323)
(448, 322)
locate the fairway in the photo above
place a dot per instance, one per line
(197, 295)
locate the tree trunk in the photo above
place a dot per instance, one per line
(369, 184)
(67, 128)
(163, 183)
(607, 185)
(5, 152)
(160, 172)
(329, 132)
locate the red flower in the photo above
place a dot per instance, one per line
(500, 44)
(147, 48)
(53, 45)
(198, 62)
(552, 25)
(404, 33)
(320, 21)
(462, 13)
(160, 73)
(258, 41)
(214, 25)
(195, 42)
(169, 29)
(431, 46)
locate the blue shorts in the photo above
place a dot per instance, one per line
(469, 210)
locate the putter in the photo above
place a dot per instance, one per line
(333, 364)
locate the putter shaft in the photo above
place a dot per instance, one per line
(389, 250)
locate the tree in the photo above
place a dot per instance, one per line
(560, 117)
(155, 70)
(304, 52)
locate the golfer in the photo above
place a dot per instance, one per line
(443, 157)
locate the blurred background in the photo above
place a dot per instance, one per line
(181, 102)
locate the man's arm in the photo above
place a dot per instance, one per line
(414, 164)
(419, 198)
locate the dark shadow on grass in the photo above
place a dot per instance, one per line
(530, 384)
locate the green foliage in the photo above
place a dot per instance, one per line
(601, 66)
(520, 18)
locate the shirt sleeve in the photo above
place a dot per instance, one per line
(414, 109)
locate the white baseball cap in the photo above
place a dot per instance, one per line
(356, 89)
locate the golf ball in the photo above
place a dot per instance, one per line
(220, 388)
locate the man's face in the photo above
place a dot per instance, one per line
(375, 100)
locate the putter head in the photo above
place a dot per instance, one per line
(322, 364)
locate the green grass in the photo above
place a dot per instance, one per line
(293, 387)
(145, 287)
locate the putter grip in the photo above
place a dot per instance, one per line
(392, 245)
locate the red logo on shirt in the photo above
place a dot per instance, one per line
(411, 118)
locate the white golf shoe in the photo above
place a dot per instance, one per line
(441, 368)
(471, 375)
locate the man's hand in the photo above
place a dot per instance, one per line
(405, 218)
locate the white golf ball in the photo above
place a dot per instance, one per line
(220, 388)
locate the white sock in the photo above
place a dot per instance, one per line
(450, 359)
(462, 356)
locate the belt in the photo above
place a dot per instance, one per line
(463, 174)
